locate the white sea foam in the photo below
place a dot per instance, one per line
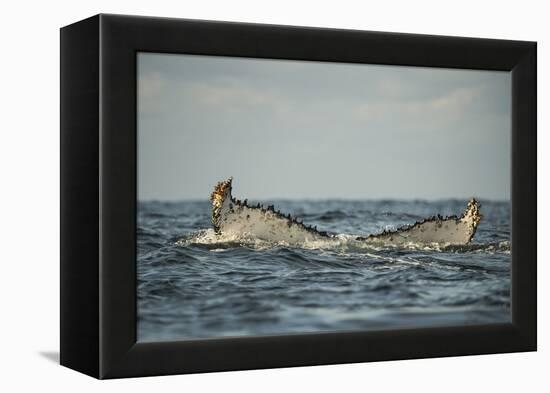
(341, 243)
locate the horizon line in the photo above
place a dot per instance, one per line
(345, 199)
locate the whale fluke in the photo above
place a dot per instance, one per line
(231, 216)
(437, 229)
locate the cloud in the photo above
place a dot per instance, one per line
(229, 97)
(441, 110)
(151, 85)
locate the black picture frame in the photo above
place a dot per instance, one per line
(98, 195)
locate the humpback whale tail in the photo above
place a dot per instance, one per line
(472, 212)
(235, 217)
(221, 194)
(436, 229)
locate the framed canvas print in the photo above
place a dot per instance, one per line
(239, 196)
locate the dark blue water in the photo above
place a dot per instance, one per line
(192, 284)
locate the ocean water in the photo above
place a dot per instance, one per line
(192, 284)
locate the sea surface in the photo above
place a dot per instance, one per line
(193, 284)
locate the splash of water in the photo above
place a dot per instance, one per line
(340, 242)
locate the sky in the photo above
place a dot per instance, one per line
(320, 130)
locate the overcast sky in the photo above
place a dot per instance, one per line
(296, 129)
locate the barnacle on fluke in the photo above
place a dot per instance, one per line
(230, 215)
